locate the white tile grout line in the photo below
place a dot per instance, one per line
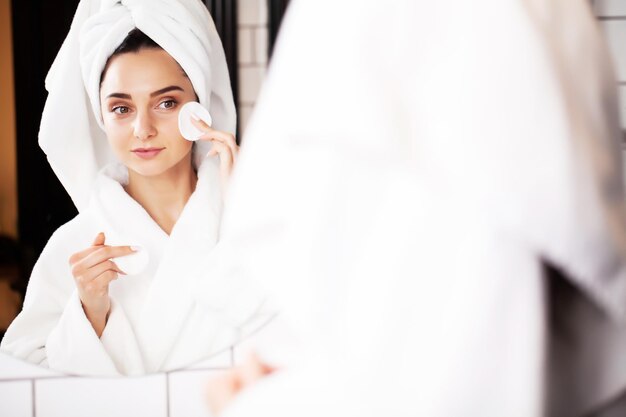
(2, 380)
(167, 394)
(211, 368)
(167, 382)
(252, 26)
(252, 65)
(32, 399)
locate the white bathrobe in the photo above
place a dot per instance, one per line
(423, 163)
(155, 323)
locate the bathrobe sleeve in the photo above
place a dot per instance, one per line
(52, 329)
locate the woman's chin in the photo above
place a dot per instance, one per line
(149, 169)
(159, 165)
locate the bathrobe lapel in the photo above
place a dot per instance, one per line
(122, 219)
(169, 300)
(172, 258)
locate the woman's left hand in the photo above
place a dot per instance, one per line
(224, 145)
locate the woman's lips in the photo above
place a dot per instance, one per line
(147, 153)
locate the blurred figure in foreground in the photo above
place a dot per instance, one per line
(432, 191)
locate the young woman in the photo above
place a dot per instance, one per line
(149, 201)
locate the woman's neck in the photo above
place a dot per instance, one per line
(164, 196)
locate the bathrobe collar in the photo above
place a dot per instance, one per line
(196, 232)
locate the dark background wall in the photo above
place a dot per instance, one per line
(276, 11)
(39, 28)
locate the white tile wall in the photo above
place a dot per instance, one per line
(174, 394)
(102, 397)
(187, 393)
(612, 16)
(16, 399)
(250, 80)
(610, 7)
(245, 40)
(253, 49)
(615, 31)
(252, 12)
(613, 21)
(261, 45)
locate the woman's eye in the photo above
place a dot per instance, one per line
(120, 109)
(168, 104)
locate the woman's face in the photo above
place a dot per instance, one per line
(140, 97)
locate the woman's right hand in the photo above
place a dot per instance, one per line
(93, 270)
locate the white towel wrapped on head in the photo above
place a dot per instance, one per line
(71, 132)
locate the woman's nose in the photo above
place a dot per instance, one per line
(144, 126)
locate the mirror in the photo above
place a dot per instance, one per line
(172, 328)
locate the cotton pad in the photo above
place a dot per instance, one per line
(135, 263)
(185, 124)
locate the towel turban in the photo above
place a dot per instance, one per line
(71, 132)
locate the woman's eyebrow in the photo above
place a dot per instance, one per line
(166, 90)
(119, 95)
(153, 94)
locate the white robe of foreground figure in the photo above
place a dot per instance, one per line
(432, 190)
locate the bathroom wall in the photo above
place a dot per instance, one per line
(8, 180)
(612, 17)
(253, 48)
(30, 391)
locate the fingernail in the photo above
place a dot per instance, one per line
(122, 272)
(194, 117)
(135, 248)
